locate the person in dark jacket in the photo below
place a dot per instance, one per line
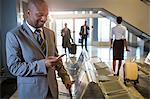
(66, 36)
(84, 32)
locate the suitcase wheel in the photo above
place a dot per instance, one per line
(125, 81)
(136, 81)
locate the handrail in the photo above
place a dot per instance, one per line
(111, 16)
(105, 13)
(131, 28)
(147, 2)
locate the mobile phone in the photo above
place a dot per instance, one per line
(60, 56)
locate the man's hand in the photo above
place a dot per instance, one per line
(127, 49)
(111, 45)
(51, 61)
(80, 33)
(68, 83)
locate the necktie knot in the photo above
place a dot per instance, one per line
(38, 36)
(38, 31)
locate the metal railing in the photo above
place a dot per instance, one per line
(147, 2)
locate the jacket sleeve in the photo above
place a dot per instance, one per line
(62, 72)
(16, 63)
(81, 30)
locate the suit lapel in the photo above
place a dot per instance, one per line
(46, 40)
(50, 42)
(28, 33)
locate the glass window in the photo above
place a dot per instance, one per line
(103, 29)
(113, 24)
(59, 26)
(78, 23)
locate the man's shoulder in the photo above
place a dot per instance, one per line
(47, 29)
(119, 26)
(124, 27)
(62, 29)
(114, 27)
(15, 30)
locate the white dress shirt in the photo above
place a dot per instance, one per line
(33, 29)
(119, 32)
(84, 29)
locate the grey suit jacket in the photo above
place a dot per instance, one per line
(25, 60)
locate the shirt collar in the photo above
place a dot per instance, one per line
(119, 24)
(32, 28)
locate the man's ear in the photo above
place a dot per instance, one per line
(28, 12)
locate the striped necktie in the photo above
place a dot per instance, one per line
(40, 40)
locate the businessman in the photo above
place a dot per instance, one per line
(84, 32)
(32, 55)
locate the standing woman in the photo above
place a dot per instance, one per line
(66, 36)
(118, 32)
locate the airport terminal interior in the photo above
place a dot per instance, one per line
(90, 70)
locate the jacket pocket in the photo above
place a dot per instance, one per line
(26, 80)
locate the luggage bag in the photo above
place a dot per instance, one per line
(130, 72)
(72, 49)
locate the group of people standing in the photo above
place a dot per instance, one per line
(117, 40)
(32, 54)
(66, 36)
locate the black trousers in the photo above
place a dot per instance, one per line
(84, 38)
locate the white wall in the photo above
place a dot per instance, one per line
(134, 12)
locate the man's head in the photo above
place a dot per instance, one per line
(37, 13)
(65, 24)
(119, 20)
(85, 22)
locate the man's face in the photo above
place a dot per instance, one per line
(37, 16)
(85, 22)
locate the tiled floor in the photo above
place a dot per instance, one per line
(105, 54)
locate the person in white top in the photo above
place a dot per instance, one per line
(147, 59)
(118, 32)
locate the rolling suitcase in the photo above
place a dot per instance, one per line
(130, 72)
(73, 48)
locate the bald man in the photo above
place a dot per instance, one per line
(32, 56)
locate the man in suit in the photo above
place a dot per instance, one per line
(32, 56)
(84, 34)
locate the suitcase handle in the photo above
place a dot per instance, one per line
(73, 41)
(70, 92)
